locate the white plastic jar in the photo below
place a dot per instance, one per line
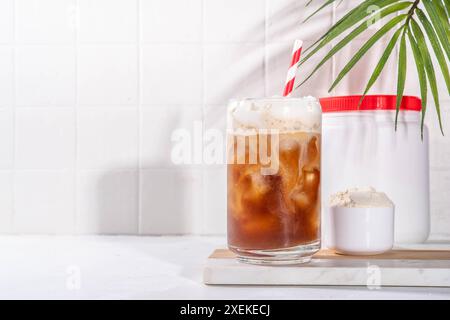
(361, 148)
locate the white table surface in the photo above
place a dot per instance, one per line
(122, 267)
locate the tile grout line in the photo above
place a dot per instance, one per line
(139, 116)
(76, 164)
(266, 58)
(131, 43)
(13, 115)
(202, 223)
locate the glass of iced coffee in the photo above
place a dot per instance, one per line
(273, 154)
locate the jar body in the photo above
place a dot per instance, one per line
(363, 149)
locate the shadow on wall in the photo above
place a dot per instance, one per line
(159, 197)
(356, 80)
(284, 26)
(116, 201)
(165, 208)
(287, 21)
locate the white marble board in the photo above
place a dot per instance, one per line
(401, 268)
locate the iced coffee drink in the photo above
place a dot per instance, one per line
(274, 179)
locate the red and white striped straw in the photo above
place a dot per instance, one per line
(296, 54)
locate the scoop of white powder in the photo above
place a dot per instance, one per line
(361, 198)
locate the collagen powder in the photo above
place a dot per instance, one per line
(361, 198)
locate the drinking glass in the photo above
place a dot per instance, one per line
(273, 178)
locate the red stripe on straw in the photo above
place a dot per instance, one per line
(289, 87)
(296, 55)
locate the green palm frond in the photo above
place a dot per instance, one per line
(423, 24)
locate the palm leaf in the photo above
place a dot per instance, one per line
(356, 15)
(356, 32)
(326, 4)
(434, 22)
(429, 68)
(422, 76)
(436, 46)
(441, 25)
(369, 44)
(401, 79)
(440, 8)
(447, 7)
(382, 63)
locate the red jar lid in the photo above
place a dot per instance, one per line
(375, 102)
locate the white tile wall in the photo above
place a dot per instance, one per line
(158, 15)
(157, 125)
(285, 17)
(91, 90)
(234, 20)
(44, 75)
(276, 56)
(6, 201)
(107, 138)
(6, 76)
(215, 175)
(44, 202)
(107, 75)
(107, 21)
(440, 172)
(233, 70)
(107, 201)
(44, 21)
(6, 138)
(44, 139)
(171, 67)
(215, 200)
(170, 201)
(6, 21)
(364, 69)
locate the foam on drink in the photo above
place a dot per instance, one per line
(293, 114)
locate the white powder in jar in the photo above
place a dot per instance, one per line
(361, 198)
